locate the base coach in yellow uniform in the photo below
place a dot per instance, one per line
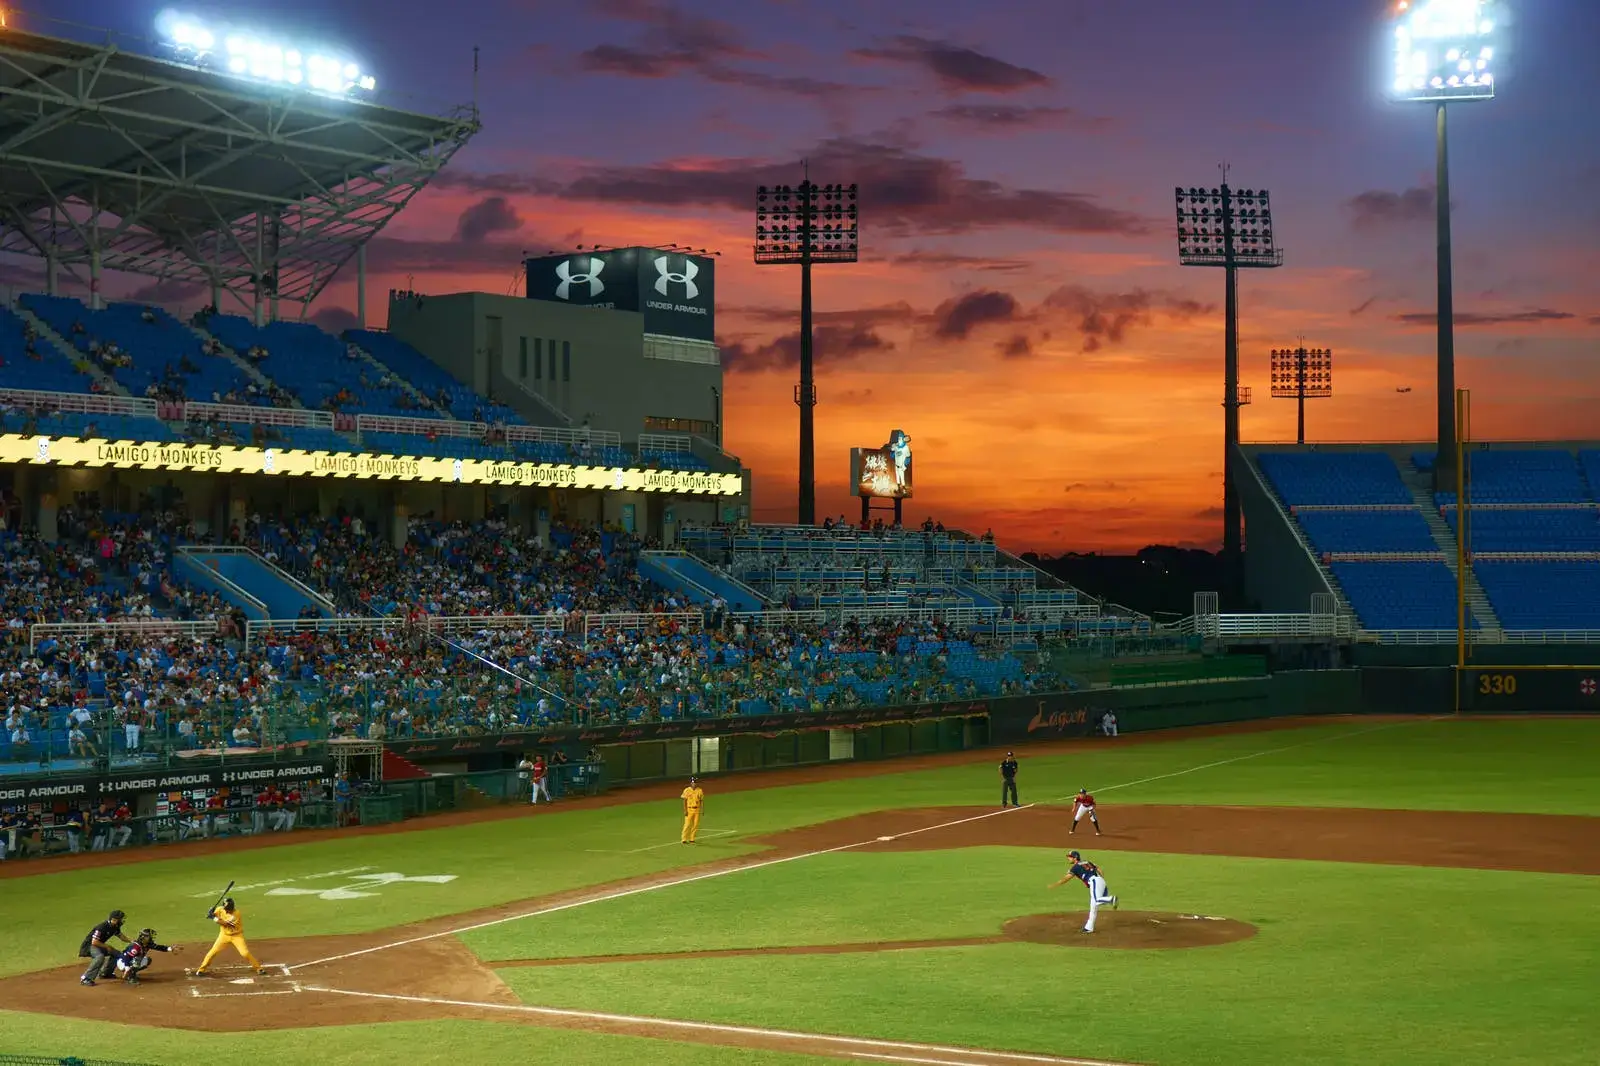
(230, 932)
(694, 797)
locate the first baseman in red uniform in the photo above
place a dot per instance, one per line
(1083, 804)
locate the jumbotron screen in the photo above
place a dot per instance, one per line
(883, 472)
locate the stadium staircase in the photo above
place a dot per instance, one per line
(1421, 486)
(280, 592)
(194, 567)
(399, 768)
(424, 403)
(682, 572)
(250, 370)
(65, 349)
(978, 596)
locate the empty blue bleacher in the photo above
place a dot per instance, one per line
(430, 378)
(46, 370)
(162, 351)
(1408, 594)
(1589, 462)
(313, 366)
(1544, 475)
(1543, 595)
(1334, 478)
(1531, 530)
(1367, 531)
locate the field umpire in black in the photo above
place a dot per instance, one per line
(96, 947)
(1008, 781)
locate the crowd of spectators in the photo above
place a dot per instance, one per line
(459, 569)
(158, 688)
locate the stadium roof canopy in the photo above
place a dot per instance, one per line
(157, 168)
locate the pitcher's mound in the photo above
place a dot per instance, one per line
(1129, 929)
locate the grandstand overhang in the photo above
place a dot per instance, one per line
(116, 161)
(74, 452)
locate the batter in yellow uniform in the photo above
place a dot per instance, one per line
(231, 931)
(694, 797)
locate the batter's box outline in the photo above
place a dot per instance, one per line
(293, 987)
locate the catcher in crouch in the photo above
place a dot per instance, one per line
(136, 956)
(230, 932)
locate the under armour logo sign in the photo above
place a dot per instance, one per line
(690, 271)
(569, 279)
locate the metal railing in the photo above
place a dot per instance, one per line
(1480, 636)
(154, 627)
(292, 417)
(419, 427)
(1223, 626)
(91, 403)
(578, 626)
(320, 598)
(665, 442)
(191, 554)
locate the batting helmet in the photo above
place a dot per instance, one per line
(227, 904)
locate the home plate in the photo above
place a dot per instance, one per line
(243, 981)
(886, 838)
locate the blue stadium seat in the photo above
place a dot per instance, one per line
(162, 353)
(1400, 594)
(430, 378)
(45, 370)
(1528, 530)
(313, 367)
(1334, 478)
(1543, 595)
(1589, 461)
(1545, 475)
(1367, 531)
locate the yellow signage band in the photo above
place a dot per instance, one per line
(293, 462)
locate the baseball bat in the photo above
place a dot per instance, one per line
(222, 897)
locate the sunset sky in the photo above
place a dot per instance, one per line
(1018, 309)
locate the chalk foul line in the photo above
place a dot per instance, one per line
(654, 886)
(957, 1056)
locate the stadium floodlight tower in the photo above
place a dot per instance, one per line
(801, 225)
(1444, 53)
(1231, 229)
(1302, 374)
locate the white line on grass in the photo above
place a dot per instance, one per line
(714, 1027)
(656, 847)
(652, 887)
(1257, 755)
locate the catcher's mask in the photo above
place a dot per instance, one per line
(117, 916)
(146, 937)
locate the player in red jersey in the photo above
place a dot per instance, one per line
(1083, 804)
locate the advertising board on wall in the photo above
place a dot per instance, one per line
(884, 472)
(126, 781)
(289, 462)
(674, 291)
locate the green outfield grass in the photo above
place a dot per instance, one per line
(1353, 958)
(1370, 962)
